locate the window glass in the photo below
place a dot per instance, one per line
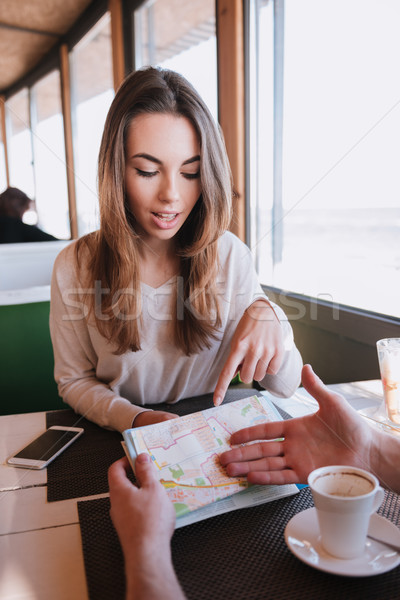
(180, 36)
(20, 143)
(336, 150)
(92, 94)
(49, 157)
(260, 133)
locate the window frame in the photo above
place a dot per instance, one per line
(338, 340)
(251, 35)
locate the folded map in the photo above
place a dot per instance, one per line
(185, 451)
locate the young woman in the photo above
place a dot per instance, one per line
(162, 302)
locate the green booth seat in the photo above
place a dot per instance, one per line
(26, 354)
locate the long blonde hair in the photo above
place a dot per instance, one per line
(114, 249)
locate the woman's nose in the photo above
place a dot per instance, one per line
(169, 191)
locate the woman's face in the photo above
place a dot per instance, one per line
(162, 174)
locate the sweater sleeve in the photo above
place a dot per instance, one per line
(75, 359)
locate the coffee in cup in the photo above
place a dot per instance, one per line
(344, 497)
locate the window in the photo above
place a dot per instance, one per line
(20, 143)
(180, 36)
(92, 94)
(49, 156)
(324, 121)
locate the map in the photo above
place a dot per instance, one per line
(185, 451)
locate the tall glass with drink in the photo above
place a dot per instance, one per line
(389, 365)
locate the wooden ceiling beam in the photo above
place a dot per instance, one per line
(29, 30)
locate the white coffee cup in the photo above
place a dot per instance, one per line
(345, 498)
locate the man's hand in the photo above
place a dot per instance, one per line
(336, 434)
(144, 519)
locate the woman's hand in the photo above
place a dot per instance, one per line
(148, 417)
(256, 348)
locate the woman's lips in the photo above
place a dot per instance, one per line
(166, 216)
(165, 220)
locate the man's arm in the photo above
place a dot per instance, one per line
(144, 519)
(336, 434)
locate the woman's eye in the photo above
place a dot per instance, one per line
(191, 175)
(146, 173)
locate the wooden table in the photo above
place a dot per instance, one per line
(40, 542)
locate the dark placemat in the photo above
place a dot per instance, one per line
(82, 469)
(240, 555)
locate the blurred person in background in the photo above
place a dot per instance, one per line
(13, 205)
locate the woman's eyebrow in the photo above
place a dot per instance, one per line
(191, 160)
(148, 157)
(159, 162)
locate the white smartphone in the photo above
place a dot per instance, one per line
(43, 449)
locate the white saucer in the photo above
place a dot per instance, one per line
(303, 539)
